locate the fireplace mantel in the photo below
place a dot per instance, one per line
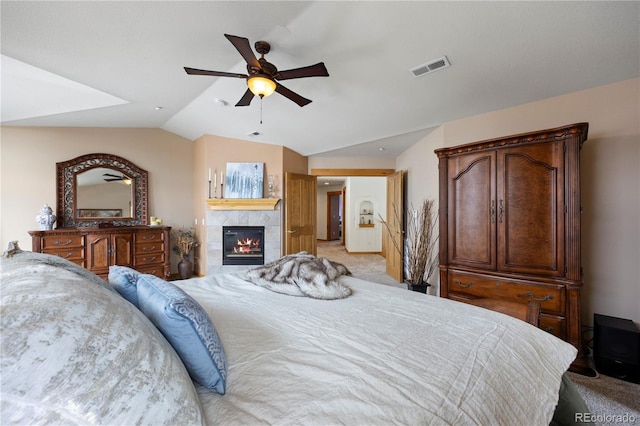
(242, 203)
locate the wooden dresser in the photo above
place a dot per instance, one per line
(144, 248)
(510, 224)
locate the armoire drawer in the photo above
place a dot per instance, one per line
(554, 325)
(550, 297)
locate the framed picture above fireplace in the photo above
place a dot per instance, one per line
(244, 180)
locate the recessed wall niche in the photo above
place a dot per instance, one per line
(365, 214)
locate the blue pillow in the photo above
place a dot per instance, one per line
(186, 325)
(124, 280)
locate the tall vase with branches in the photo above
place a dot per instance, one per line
(184, 242)
(420, 244)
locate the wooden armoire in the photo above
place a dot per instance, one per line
(510, 224)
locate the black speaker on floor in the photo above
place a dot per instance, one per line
(616, 347)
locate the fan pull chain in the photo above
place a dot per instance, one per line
(261, 109)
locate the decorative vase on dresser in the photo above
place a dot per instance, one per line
(510, 224)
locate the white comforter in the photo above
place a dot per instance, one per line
(381, 356)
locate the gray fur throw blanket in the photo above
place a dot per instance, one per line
(302, 274)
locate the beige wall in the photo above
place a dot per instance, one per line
(28, 157)
(214, 152)
(610, 182)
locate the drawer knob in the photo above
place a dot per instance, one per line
(469, 284)
(147, 259)
(63, 243)
(149, 248)
(539, 299)
(549, 329)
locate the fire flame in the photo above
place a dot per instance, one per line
(247, 245)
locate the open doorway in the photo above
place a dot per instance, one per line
(335, 214)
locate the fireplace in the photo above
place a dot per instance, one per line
(243, 245)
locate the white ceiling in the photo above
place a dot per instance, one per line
(110, 64)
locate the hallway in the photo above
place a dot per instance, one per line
(369, 267)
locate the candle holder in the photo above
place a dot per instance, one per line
(271, 186)
(209, 188)
(221, 191)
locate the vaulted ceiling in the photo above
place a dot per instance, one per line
(120, 64)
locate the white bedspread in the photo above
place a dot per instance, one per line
(381, 356)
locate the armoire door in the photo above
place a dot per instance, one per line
(472, 210)
(531, 210)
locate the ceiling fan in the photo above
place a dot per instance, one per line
(114, 178)
(263, 77)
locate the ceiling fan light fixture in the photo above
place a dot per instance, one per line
(261, 86)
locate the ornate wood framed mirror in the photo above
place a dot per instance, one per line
(101, 189)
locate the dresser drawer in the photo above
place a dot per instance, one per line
(147, 248)
(74, 254)
(550, 297)
(157, 270)
(53, 242)
(149, 259)
(150, 237)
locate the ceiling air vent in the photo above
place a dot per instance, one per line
(431, 66)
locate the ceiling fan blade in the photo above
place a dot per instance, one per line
(246, 98)
(292, 95)
(317, 70)
(243, 46)
(112, 180)
(109, 174)
(194, 71)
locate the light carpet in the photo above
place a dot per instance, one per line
(365, 266)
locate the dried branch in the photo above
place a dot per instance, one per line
(185, 241)
(420, 242)
(392, 233)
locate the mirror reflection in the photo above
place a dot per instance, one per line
(103, 193)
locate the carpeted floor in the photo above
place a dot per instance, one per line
(612, 401)
(368, 267)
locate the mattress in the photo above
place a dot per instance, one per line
(383, 355)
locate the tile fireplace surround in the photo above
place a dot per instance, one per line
(218, 216)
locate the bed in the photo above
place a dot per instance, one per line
(75, 351)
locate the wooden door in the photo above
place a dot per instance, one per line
(530, 202)
(472, 210)
(394, 243)
(333, 216)
(300, 194)
(122, 249)
(344, 212)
